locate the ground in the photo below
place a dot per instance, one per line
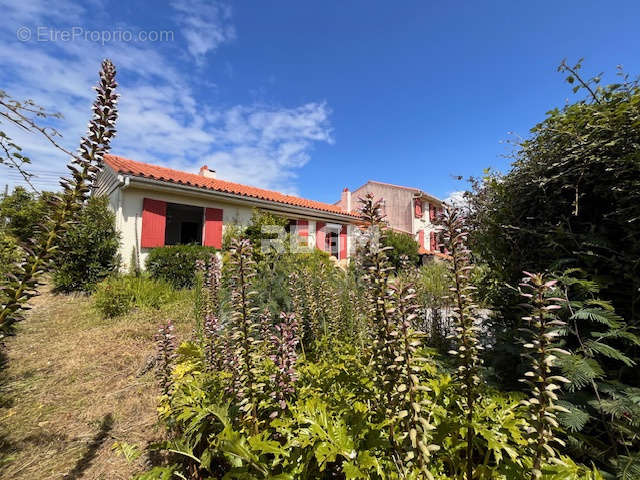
(74, 385)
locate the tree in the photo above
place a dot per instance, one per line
(571, 199)
(571, 205)
(26, 116)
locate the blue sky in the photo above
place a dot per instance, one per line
(310, 97)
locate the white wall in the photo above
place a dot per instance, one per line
(127, 204)
(423, 223)
(129, 217)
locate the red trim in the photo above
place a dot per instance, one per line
(421, 238)
(320, 236)
(154, 223)
(418, 208)
(213, 227)
(343, 242)
(432, 212)
(433, 242)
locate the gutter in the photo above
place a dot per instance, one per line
(431, 198)
(245, 200)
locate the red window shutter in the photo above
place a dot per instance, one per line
(421, 238)
(343, 242)
(154, 222)
(433, 241)
(418, 209)
(432, 212)
(213, 227)
(320, 235)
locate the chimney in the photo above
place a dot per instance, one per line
(345, 199)
(207, 172)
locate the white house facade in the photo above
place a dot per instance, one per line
(157, 206)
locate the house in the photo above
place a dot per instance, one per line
(157, 206)
(408, 210)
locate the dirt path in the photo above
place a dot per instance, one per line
(72, 389)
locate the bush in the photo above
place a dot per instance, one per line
(177, 263)
(113, 297)
(10, 253)
(88, 250)
(403, 245)
(22, 212)
(119, 295)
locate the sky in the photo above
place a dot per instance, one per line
(309, 97)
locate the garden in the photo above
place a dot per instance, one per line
(513, 357)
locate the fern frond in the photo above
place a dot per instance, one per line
(579, 370)
(574, 419)
(618, 333)
(599, 315)
(628, 467)
(608, 351)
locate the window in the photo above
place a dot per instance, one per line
(184, 224)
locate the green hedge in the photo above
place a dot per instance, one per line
(177, 264)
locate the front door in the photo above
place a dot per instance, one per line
(332, 243)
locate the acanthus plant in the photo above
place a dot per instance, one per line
(331, 303)
(165, 355)
(305, 306)
(284, 342)
(398, 366)
(381, 302)
(543, 332)
(214, 343)
(244, 331)
(463, 313)
(24, 280)
(410, 396)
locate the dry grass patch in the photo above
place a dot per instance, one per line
(73, 387)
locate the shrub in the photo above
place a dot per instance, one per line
(88, 250)
(119, 295)
(113, 297)
(177, 263)
(402, 245)
(9, 251)
(571, 199)
(22, 212)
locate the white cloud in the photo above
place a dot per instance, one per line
(457, 199)
(205, 25)
(162, 119)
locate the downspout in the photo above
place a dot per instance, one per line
(123, 184)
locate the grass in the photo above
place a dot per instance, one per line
(74, 385)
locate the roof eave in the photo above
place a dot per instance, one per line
(243, 199)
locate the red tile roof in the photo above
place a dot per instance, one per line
(140, 169)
